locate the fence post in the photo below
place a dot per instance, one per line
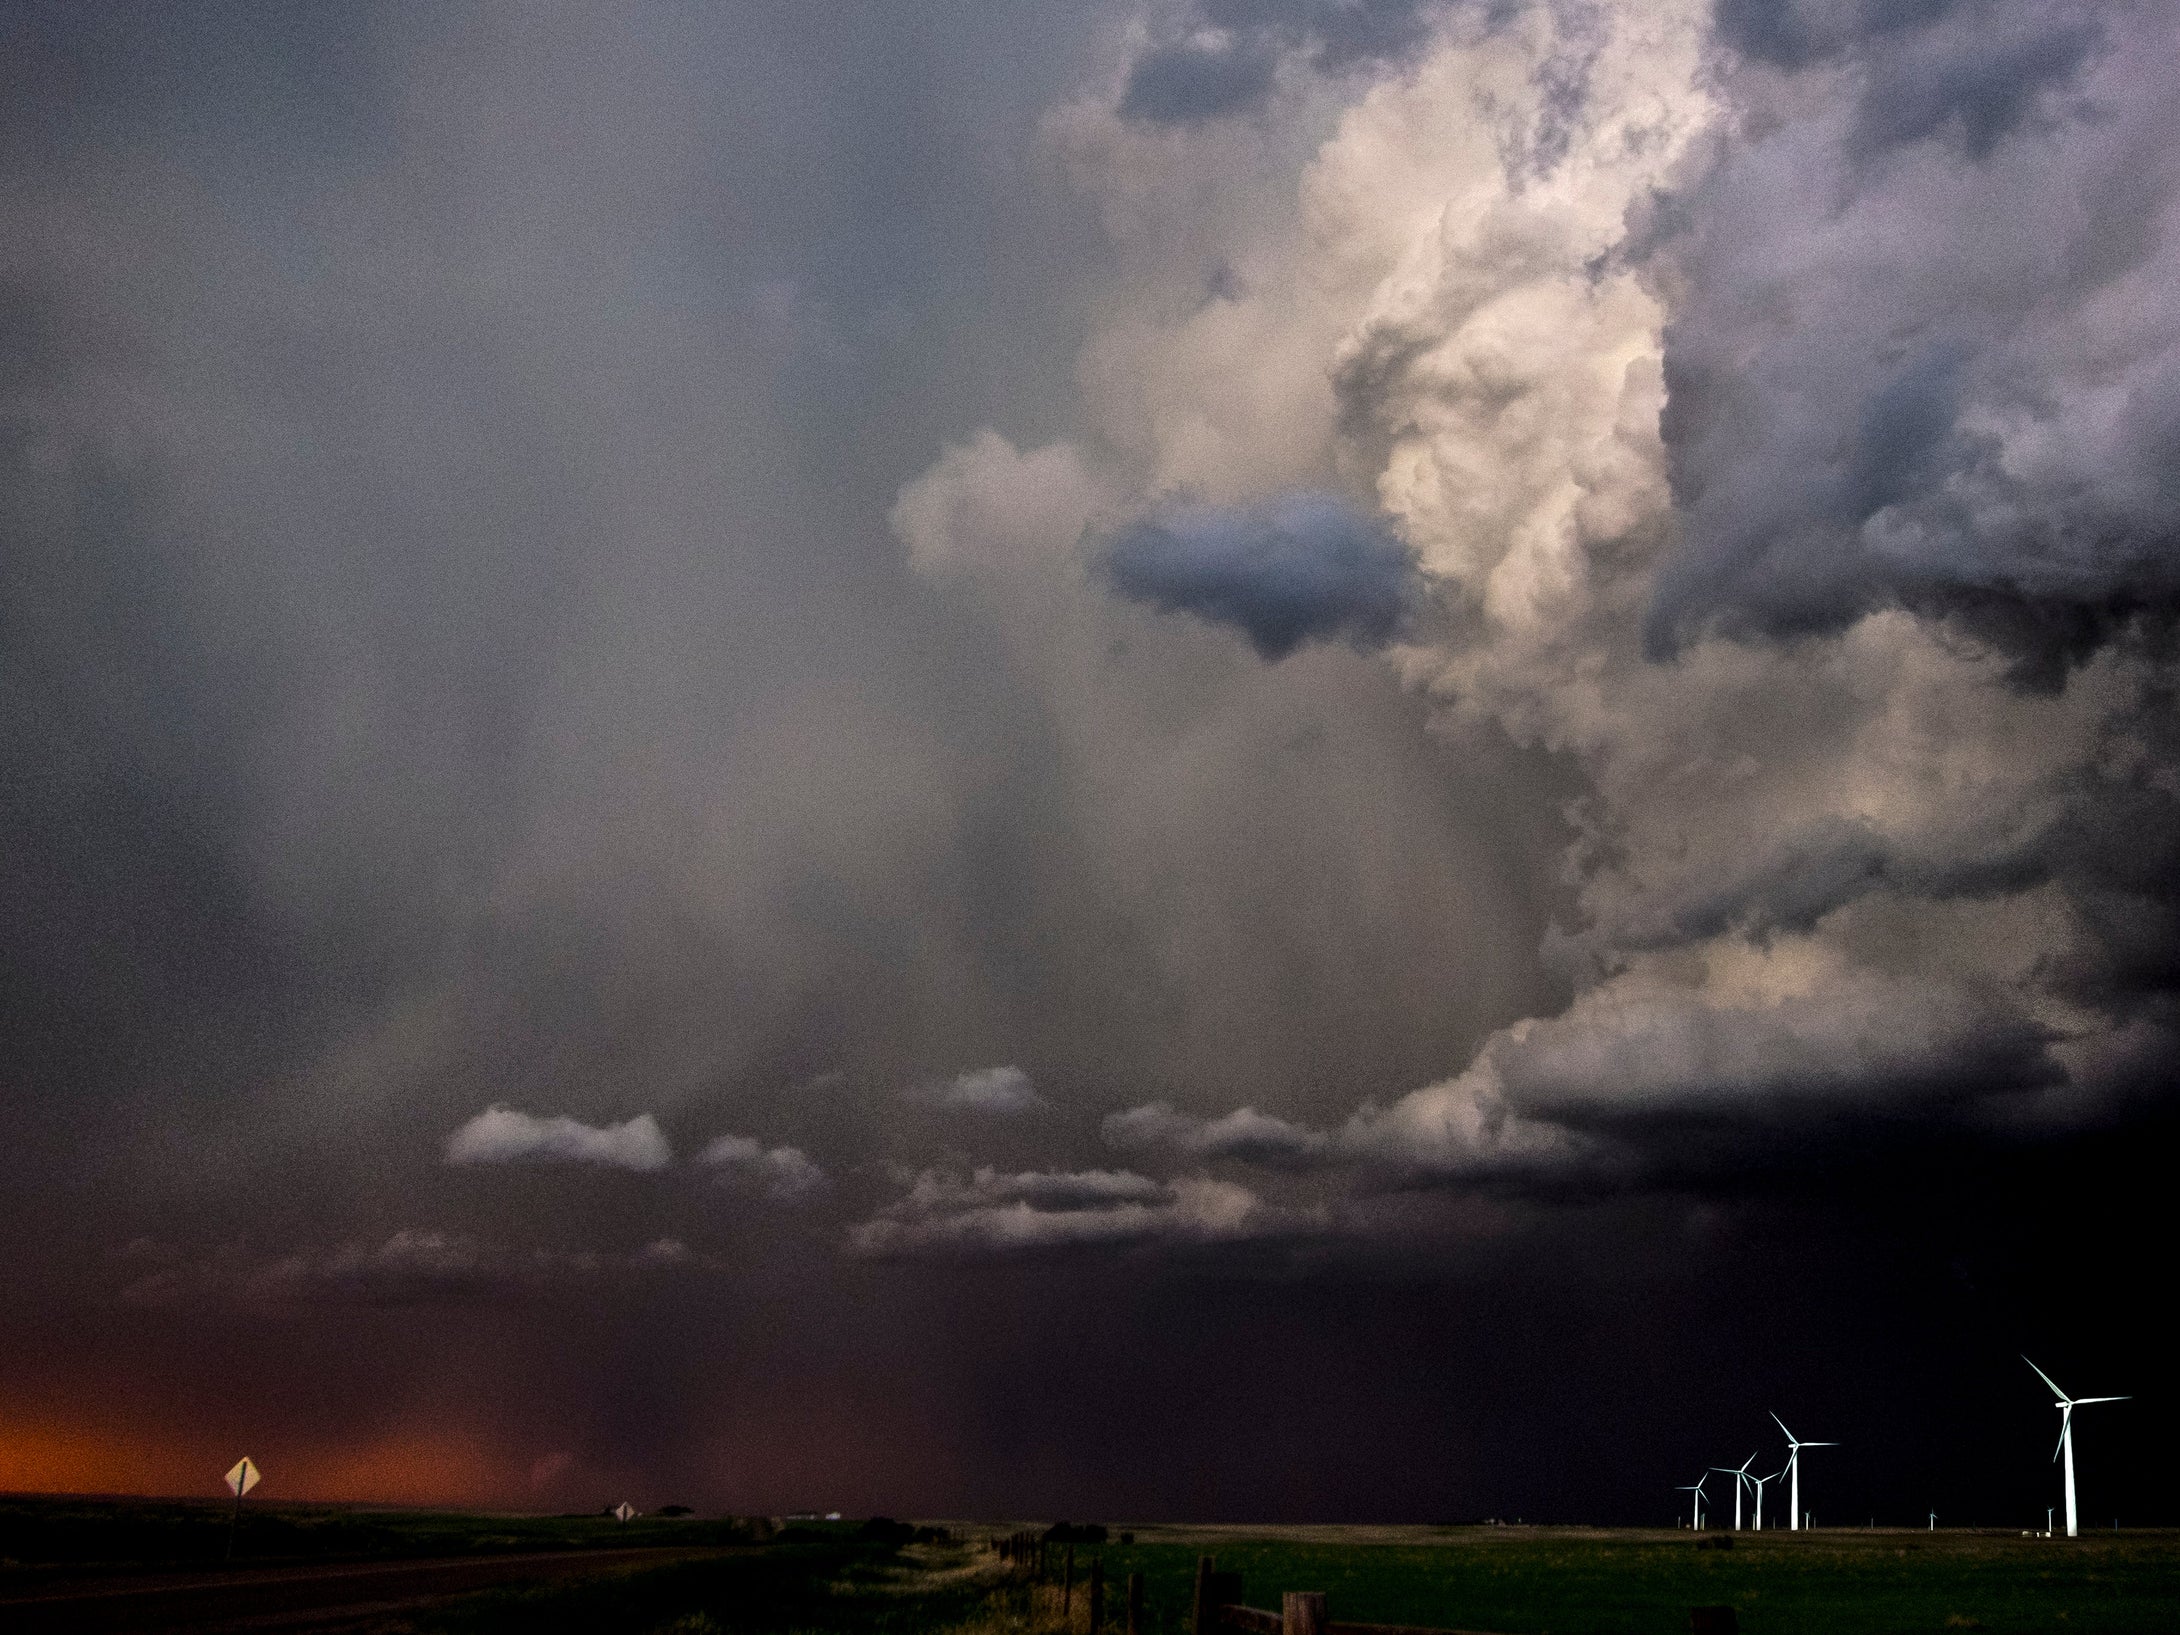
(1097, 1594)
(1135, 1604)
(1302, 1612)
(1203, 1611)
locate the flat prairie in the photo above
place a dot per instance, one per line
(1583, 1581)
(139, 1564)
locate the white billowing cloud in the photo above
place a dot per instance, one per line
(985, 1090)
(502, 1135)
(1244, 1133)
(988, 1212)
(1833, 857)
(988, 505)
(780, 1173)
(1643, 1078)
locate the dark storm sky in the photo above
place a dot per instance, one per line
(1215, 759)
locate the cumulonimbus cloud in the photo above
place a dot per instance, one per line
(504, 1135)
(1776, 406)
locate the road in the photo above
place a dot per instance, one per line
(326, 1599)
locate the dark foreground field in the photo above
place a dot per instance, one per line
(76, 1565)
(1624, 1582)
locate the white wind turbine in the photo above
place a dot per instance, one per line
(1794, 1471)
(1757, 1482)
(1739, 1477)
(2066, 1406)
(1696, 1487)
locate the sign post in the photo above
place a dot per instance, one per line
(242, 1478)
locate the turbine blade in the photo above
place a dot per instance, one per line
(2046, 1378)
(1776, 1420)
(2078, 1401)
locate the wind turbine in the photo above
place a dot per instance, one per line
(1758, 1482)
(2065, 1451)
(1739, 1476)
(1696, 1487)
(1794, 1470)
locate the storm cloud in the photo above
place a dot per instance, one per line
(1371, 717)
(1972, 411)
(1743, 451)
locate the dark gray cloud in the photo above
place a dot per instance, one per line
(1935, 369)
(1228, 65)
(1301, 568)
(1192, 80)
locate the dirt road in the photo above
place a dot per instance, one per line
(328, 1599)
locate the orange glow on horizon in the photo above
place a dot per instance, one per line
(46, 1458)
(411, 1465)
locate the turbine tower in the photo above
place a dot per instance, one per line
(1739, 1477)
(1757, 1482)
(1794, 1470)
(1696, 1487)
(2066, 1406)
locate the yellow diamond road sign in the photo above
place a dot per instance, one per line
(624, 1510)
(242, 1478)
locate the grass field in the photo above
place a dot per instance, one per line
(1524, 1581)
(1575, 1582)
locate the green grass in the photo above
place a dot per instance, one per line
(1602, 1583)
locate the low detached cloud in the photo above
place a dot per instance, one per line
(411, 1267)
(781, 1174)
(1644, 1084)
(1300, 568)
(502, 1135)
(989, 1212)
(1243, 1134)
(984, 1090)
